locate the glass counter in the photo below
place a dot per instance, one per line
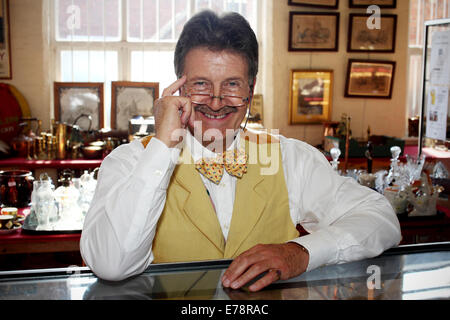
(403, 273)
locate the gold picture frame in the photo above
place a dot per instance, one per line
(311, 93)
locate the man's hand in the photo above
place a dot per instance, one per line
(171, 114)
(282, 261)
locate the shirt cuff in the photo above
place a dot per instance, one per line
(321, 247)
(157, 163)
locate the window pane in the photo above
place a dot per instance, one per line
(142, 20)
(181, 15)
(87, 20)
(165, 20)
(80, 69)
(420, 11)
(153, 66)
(88, 66)
(414, 81)
(247, 8)
(149, 18)
(413, 23)
(154, 20)
(91, 66)
(201, 4)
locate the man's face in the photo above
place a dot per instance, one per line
(222, 72)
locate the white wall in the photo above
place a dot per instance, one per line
(383, 116)
(29, 54)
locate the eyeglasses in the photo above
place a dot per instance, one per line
(207, 98)
(231, 93)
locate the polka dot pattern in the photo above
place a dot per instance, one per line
(233, 161)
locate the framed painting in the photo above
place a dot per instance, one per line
(363, 39)
(313, 31)
(369, 79)
(329, 4)
(72, 99)
(310, 96)
(388, 4)
(130, 99)
(256, 113)
(5, 44)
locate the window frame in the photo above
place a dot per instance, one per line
(124, 48)
(413, 97)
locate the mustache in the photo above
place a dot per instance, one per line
(205, 109)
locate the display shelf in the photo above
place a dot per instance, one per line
(51, 167)
(23, 163)
(23, 241)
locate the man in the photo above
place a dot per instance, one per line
(158, 201)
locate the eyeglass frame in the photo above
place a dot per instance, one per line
(245, 101)
(220, 97)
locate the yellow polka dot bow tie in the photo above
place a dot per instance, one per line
(233, 161)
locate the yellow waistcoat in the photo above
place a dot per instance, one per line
(189, 230)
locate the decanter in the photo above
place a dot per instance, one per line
(335, 153)
(425, 199)
(88, 185)
(394, 169)
(44, 203)
(67, 197)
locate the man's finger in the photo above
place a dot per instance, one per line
(186, 112)
(252, 272)
(174, 87)
(270, 277)
(238, 267)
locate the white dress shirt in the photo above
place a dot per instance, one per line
(345, 221)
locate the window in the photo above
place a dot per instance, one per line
(134, 40)
(419, 12)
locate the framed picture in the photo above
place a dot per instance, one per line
(310, 96)
(313, 31)
(73, 99)
(392, 4)
(257, 109)
(131, 99)
(5, 44)
(363, 39)
(370, 79)
(331, 4)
